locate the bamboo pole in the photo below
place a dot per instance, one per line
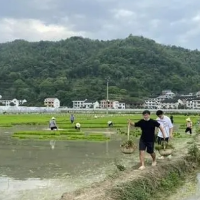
(128, 131)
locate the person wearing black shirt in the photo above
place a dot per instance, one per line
(147, 138)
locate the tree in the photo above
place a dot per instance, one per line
(76, 68)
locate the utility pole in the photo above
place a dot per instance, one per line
(107, 93)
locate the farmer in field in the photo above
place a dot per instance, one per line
(110, 123)
(167, 125)
(78, 126)
(147, 138)
(188, 126)
(52, 124)
(72, 118)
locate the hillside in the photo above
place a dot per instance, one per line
(76, 68)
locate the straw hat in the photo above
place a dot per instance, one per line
(188, 119)
(53, 118)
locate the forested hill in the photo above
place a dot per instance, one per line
(76, 68)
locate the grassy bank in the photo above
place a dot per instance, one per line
(60, 135)
(159, 183)
(154, 183)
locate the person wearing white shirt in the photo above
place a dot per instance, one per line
(167, 126)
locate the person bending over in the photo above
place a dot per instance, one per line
(52, 124)
(78, 126)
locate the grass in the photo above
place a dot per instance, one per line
(168, 178)
(60, 135)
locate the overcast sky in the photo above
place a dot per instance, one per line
(175, 22)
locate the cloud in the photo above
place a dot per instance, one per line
(33, 30)
(173, 22)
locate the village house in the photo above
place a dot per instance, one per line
(198, 94)
(169, 104)
(85, 104)
(78, 104)
(111, 104)
(153, 103)
(52, 102)
(122, 105)
(193, 103)
(91, 104)
(132, 105)
(13, 102)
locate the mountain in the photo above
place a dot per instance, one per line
(77, 68)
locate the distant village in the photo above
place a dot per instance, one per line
(166, 100)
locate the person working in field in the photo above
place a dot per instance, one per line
(52, 124)
(188, 126)
(72, 118)
(110, 123)
(147, 138)
(78, 126)
(167, 125)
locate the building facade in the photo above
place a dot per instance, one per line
(52, 102)
(78, 104)
(85, 104)
(13, 102)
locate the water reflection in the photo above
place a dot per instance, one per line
(52, 144)
(30, 170)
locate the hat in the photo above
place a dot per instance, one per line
(53, 118)
(188, 119)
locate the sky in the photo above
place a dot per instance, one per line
(171, 22)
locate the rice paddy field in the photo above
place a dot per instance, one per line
(72, 158)
(93, 127)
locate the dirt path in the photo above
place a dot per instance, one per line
(97, 191)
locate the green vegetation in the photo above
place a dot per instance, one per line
(86, 120)
(76, 68)
(194, 153)
(128, 144)
(164, 145)
(60, 135)
(154, 184)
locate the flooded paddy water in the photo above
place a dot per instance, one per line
(31, 169)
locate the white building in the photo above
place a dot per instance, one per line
(193, 104)
(122, 105)
(166, 94)
(198, 94)
(85, 104)
(91, 104)
(115, 104)
(118, 105)
(78, 103)
(13, 102)
(152, 103)
(52, 102)
(169, 105)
